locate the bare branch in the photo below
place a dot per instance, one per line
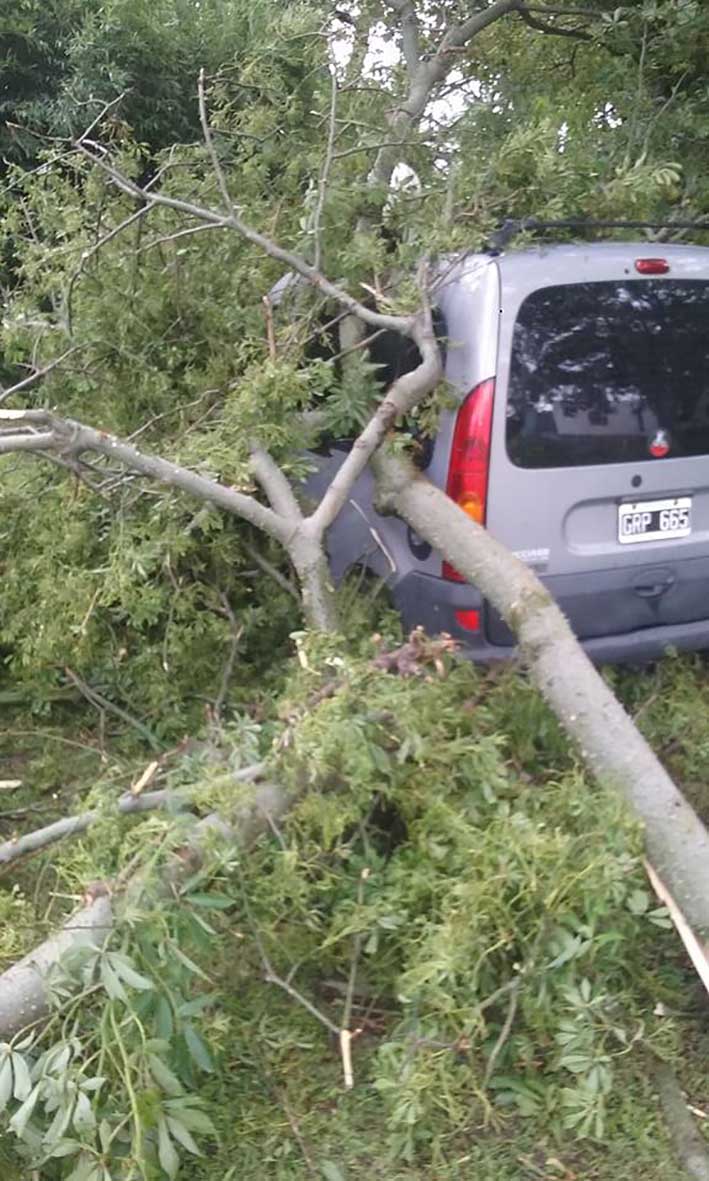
(275, 485)
(544, 27)
(66, 436)
(555, 10)
(36, 376)
(209, 143)
(406, 392)
(460, 35)
(410, 43)
(71, 826)
(327, 164)
(611, 746)
(35, 442)
(294, 262)
(689, 1143)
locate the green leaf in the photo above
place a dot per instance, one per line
(191, 1116)
(22, 1116)
(331, 1172)
(198, 1005)
(126, 972)
(5, 1082)
(22, 1081)
(190, 964)
(211, 901)
(181, 1134)
(163, 1076)
(167, 1155)
(65, 1148)
(638, 901)
(111, 983)
(86, 1170)
(164, 1021)
(84, 1119)
(198, 1049)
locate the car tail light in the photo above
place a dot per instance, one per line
(470, 459)
(470, 620)
(652, 266)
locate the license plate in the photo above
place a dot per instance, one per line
(655, 520)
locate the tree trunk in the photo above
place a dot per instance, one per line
(609, 742)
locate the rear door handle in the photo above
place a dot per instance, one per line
(653, 588)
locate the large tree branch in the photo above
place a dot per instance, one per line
(609, 742)
(541, 26)
(275, 485)
(67, 437)
(410, 38)
(406, 392)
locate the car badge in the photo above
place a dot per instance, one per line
(660, 445)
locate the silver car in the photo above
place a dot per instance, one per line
(581, 441)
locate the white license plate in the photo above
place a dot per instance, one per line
(654, 520)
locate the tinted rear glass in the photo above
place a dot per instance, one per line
(610, 373)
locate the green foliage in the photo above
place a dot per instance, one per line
(482, 903)
(447, 855)
(170, 334)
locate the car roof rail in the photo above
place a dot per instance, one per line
(512, 226)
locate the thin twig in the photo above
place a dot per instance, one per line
(272, 977)
(504, 1034)
(97, 699)
(87, 255)
(190, 231)
(270, 334)
(209, 144)
(325, 173)
(272, 571)
(237, 631)
(346, 1034)
(356, 949)
(36, 376)
(102, 113)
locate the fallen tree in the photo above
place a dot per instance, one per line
(606, 737)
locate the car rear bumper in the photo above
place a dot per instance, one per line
(432, 603)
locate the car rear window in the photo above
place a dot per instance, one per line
(611, 372)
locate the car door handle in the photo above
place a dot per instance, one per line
(653, 588)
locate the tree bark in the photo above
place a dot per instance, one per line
(609, 742)
(690, 1146)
